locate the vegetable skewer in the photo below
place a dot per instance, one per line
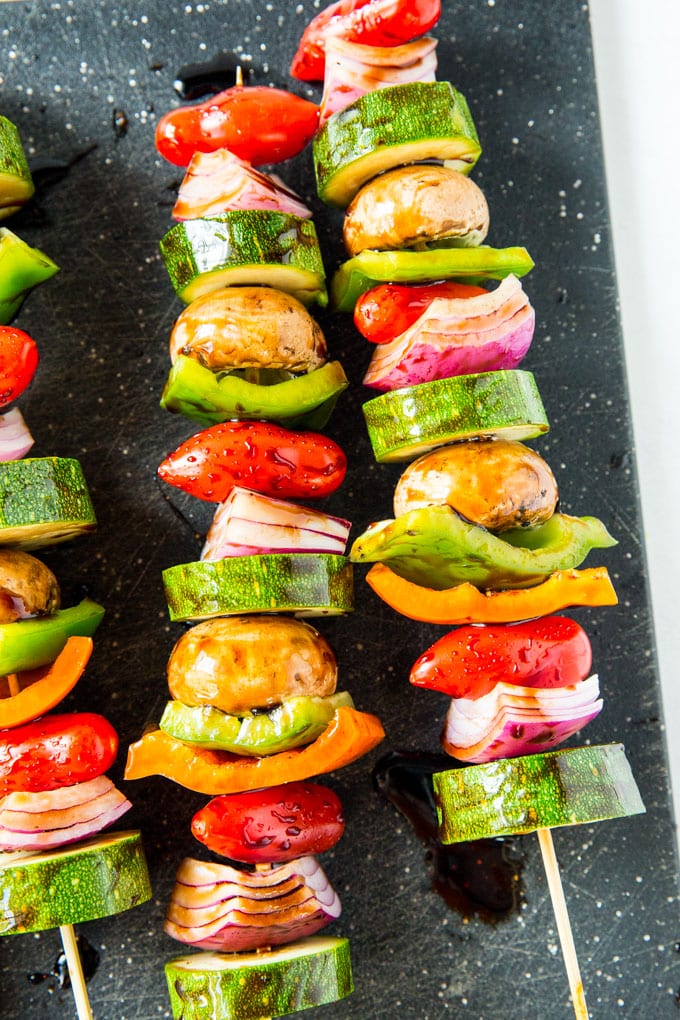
(429, 561)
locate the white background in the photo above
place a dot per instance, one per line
(637, 58)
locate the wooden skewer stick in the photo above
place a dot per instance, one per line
(578, 998)
(14, 685)
(75, 970)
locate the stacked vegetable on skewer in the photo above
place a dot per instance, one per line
(477, 537)
(253, 710)
(55, 798)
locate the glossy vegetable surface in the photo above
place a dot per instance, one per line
(58, 750)
(553, 651)
(466, 604)
(370, 22)
(27, 695)
(385, 311)
(273, 825)
(350, 735)
(18, 362)
(258, 124)
(435, 547)
(258, 455)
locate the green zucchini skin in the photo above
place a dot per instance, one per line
(390, 127)
(306, 584)
(99, 877)
(16, 183)
(257, 986)
(256, 246)
(43, 501)
(405, 423)
(572, 786)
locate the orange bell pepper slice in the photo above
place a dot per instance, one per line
(26, 695)
(466, 604)
(348, 736)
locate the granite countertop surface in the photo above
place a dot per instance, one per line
(86, 82)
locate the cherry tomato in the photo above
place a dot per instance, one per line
(273, 825)
(18, 362)
(258, 124)
(258, 455)
(552, 651)
(370, 22)
(57, 750)
(384, 312)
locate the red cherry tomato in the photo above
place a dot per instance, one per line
(273, 825)
(18, 362)
(258, 455)
(370, 22)
(384, 312)
(258, 124)
(55, 751)
(552, 651)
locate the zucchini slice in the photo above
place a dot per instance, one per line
(402, 424)
(99, 877)
(305, 584)
(255, 985)
(245, 246)
(16, 183)
(576, 785)
(43, 501)
(390, 127)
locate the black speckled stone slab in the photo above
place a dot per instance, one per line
(86, 81)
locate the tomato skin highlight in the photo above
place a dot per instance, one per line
(384, 312)
(370, 22)
(257, 123)
(55, 751)
(18, 363)
(261, 456)
(273, 825)
(549, 652)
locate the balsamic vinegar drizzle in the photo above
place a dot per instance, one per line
(481, 878)
(89, 958)
(196, 81)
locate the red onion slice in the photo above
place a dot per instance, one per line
(457, 336)
(36, 821)
(511, 721)
(249, 521)
(15, 437)
(216, 182)
(222, 907)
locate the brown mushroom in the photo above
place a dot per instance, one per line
(414, 205)
(27, 587)
(239, 663)
(496, 483)
(248, 327)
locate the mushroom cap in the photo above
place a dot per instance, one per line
(249, 327)
(414, 205)
(496, 483)
(27, 587)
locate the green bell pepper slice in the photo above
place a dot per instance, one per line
(293, 723)
(27, 644)
(21, 269)
(435, 547)
(306, 401)
(469, 265)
